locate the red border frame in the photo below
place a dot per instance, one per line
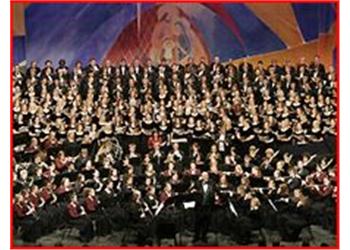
(337, 2)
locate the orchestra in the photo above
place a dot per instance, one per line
(118, 147)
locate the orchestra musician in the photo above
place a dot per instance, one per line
(25, 216)
(96, 213)
(78, 217)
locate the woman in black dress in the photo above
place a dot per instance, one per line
(71, 146)
(316, 132)
(245, 135)
(285, 132)
(299, 134)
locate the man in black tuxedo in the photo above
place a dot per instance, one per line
(151, 70)
(62, 67)
(179, 70)
(138, 69)
(216, 66)
(245, 69)
(109, 68)
(191, 67)
(93, 66)
(317, 68)
(48, 65)
(33, 70)
(124, 70)
(204, 207)
(164, 70)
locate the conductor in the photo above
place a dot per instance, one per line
(204, 206)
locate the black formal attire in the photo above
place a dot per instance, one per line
(204, 209)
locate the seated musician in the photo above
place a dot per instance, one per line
(151, 199)
(63, 190)
(25, 216)
(47, 193)
(77, 216)
(92, 208)
(166, 193)
(34, 196)
(138, 218)
(107, 195)
(224, 189)
(192, 171)
(292, 221)
(169, 171)
(61, 161)
(90, 201)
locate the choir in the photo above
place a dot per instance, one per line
(109, 147)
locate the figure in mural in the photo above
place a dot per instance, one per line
(174, 38)
(166, 33)
(171, 38)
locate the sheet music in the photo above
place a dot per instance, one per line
(189, 204)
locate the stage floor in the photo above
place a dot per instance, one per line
(115, 239)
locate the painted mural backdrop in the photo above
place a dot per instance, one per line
(166, 32)
(175, 32)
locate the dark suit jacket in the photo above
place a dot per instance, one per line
(205, 199)
(139, 71)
